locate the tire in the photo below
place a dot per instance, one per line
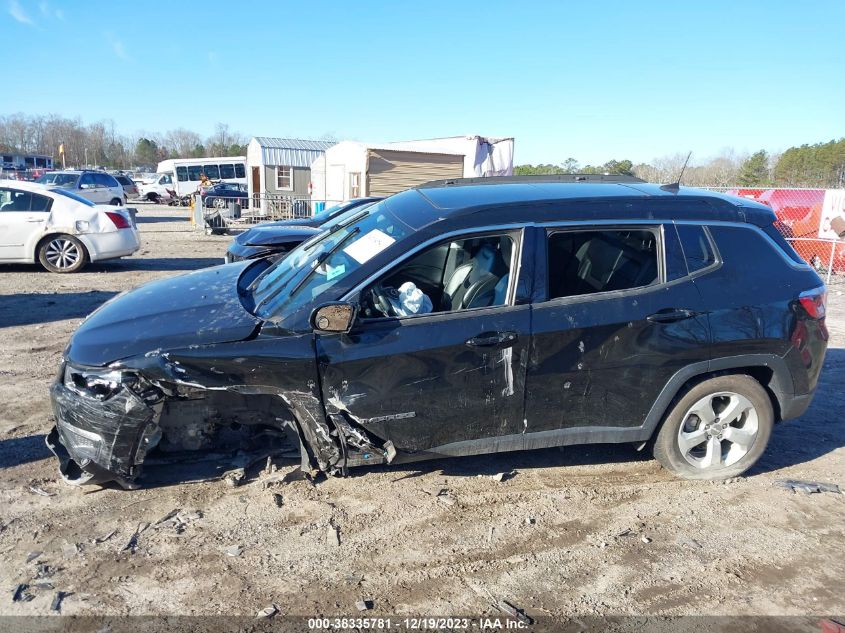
(694, 442)
(153, 197)
(62, 254)
(116, 202)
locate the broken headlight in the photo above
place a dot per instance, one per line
(100, 384)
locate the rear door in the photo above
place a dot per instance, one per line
(620, 318)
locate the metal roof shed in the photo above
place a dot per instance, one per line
(282, 166)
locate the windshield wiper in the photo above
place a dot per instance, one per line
(317, 263)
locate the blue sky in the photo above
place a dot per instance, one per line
(594, 81)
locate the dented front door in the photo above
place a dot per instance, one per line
(428, 381)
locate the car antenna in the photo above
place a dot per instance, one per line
(676, 186)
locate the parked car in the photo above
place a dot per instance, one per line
(219, 195)
(281, 236)
(130, 189)
(60, 229)
(158, 189)
(96, 186)
(462, 318)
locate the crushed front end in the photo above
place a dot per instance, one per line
(106, 422)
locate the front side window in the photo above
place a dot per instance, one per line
(454, 275)
(16, 200)
(588, 262)
(58, 179)
(697, 249)
(166, 180)
(284, 178)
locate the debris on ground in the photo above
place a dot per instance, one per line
(625, 532)
(689, 542)
(21, 594)
(807, 487)
(278, 499)
(519, 614)
(234, 477)
(32, 556)
(40, 491)
(103, 539)
(167, 516)
(56, 605)
(132, 544)
(645, 540)
(235, 551)
(268, 612)
(364, 604)
(333, 535)
(530, 520)
(443, 496)
(43, 570)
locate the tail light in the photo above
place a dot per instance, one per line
(118, 219)
(814, 302)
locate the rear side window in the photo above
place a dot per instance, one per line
(587, 262)
(240, 171)
(182, 174)
(697, 249)
(785, 246)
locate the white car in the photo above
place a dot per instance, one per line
(60, 229)
(157, 189)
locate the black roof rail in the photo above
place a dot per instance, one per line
(495, 180)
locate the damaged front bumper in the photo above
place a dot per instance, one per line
(99, 440)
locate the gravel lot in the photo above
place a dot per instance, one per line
(583, 531)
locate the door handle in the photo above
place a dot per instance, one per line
(671, 315)
(33, 220)
(492, 339)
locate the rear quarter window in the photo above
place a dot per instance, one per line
(785, 246)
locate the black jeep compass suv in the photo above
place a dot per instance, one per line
(466, 317)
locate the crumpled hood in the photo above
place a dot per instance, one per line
(197, 308)
(269, 235)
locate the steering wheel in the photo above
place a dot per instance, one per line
(380, 300)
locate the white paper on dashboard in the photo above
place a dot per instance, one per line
(368, 246)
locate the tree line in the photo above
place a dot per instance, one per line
(100, 144)
(819, 166)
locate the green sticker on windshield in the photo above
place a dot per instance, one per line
(337, 271)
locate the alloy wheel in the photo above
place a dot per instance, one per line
(718, 430)
(62, 253)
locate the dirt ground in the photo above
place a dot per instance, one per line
(582, 531)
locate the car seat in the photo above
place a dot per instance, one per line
(474, 283)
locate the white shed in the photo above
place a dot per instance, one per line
(281, 166)
(352, 170)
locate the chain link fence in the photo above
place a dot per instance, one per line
(223, 213)
(804, 218)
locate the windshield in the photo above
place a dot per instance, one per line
(320, 263)
(58, 179)
(73, 196)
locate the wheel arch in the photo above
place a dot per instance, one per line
(55, 232)
(769, 370)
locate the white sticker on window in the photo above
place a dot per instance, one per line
(368, 246)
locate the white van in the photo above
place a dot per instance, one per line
(157, 189)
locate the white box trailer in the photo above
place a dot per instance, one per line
(352, 170)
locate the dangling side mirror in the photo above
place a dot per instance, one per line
(334, 317)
